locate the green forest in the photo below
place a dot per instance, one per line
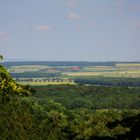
(67, 112)
(109, 81)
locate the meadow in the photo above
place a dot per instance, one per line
(126, 73)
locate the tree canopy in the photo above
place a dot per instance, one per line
(22, 117)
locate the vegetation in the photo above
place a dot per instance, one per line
(35, 75)
(109, 81)
(46, 83)
(27, 117)
(89, 97)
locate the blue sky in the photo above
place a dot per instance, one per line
(71, 30)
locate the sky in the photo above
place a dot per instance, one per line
(70, 30)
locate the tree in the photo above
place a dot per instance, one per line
(8, 86)
(1, 57)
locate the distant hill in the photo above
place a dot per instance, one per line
(14, 60)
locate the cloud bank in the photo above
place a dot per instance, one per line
(44, 27)
(72, 16)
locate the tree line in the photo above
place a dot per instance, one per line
(109, 81)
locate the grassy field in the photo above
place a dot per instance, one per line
(46, 83)
(82, 73)
(28, 68)
(131, 65)
(128, 73)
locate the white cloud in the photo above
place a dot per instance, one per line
(3, 36)
(71, 4)
(44, 27)
(72, 16)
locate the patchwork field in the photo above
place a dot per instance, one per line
(43, 73)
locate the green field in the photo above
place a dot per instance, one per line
(131, 65)
(126, 73)
(46, 83)
(26, 68)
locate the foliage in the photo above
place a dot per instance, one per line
(35, 75)
(27, 118)
(110, 81)
(8, 86)
(1, 57)
(90, 97)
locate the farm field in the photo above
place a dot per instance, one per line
(126, 73)
(130, 65)
(26, 68)
(44, 73)
(46, 83)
